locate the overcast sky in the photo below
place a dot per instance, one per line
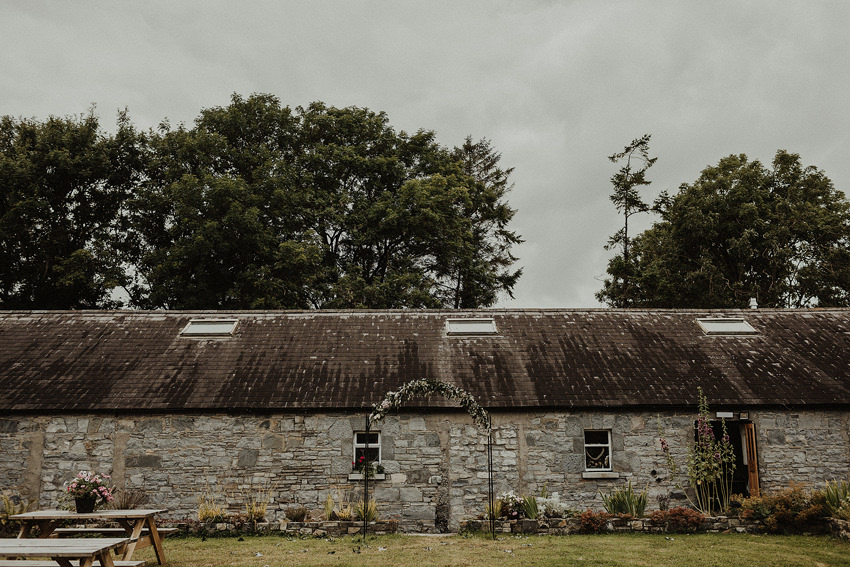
(557, 87)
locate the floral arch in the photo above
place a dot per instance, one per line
(395, 399)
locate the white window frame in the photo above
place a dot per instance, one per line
(209, 328)
(365, 445)
(726, 326)
(471, 326)
(602, 446)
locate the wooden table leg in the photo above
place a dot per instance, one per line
(134, 533)
(105, 558)
(156, 541)
(45, 528)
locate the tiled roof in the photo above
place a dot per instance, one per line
(137, 360)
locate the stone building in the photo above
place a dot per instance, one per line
(175, 403)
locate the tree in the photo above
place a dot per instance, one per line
(213, 226)
(261, 206)
(626, 198)
(482, 267)
(780, 235)
(63, 183)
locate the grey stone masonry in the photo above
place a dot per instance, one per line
(436, 472)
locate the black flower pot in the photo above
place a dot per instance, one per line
(85, 504)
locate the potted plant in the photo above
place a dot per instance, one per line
(373, 470)
(88, 489)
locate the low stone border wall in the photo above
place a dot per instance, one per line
(315, 529)
(566, 526)
(839, 528)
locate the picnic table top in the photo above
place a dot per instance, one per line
(71, 548)
(97, 515)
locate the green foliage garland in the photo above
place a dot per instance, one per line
(418, 388)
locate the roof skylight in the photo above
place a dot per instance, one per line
(726, 326)
(209, 328)
(470, 326)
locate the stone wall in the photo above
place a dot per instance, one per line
(436, 463)
(802, 445)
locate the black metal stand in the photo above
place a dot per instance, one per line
(366, 482)
(490, 497)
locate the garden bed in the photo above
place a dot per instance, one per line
(719, 524)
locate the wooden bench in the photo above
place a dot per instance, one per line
(49, 563)
(118, 532)
(61, 553)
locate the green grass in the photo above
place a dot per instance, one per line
(703, 550)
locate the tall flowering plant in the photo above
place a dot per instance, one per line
(710, 464)
(90, 485)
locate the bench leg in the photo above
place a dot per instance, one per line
(105, 559)
(156, 541)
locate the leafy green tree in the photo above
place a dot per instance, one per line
(627, 182)
(63, 183)
(261, 206)
(780, 235)
(213, 226)
(482, 267)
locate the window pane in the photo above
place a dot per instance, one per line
(367, 438)
(595, 437)
(372, 454)
(471, 327)
(726, 326)
(211, 327)
(597, 458)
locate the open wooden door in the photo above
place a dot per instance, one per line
(752, 458)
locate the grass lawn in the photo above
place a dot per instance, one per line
(703, 550)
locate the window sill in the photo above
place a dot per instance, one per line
(600, 474)
(359, 476)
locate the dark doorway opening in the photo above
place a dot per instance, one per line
(745, 475)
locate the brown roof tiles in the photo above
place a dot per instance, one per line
(136, 360)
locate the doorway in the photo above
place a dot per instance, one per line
(745, 478)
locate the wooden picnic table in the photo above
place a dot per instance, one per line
(82, 552)
(139, 527)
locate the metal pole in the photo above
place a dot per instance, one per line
(490, 497)
(366, 481)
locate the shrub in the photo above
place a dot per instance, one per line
(788, 510)
(128, 499)
(11, 504)
(835, 495)
(296, 514)
(511, 505)
(552, 507)
(210, 508)
(594, 522)
(345, 513)
(529, 507)
(625, 501)
(496, 512)
(367, 511)
(329, 507)
(843, 511)
(257, 501)
(678, 519)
